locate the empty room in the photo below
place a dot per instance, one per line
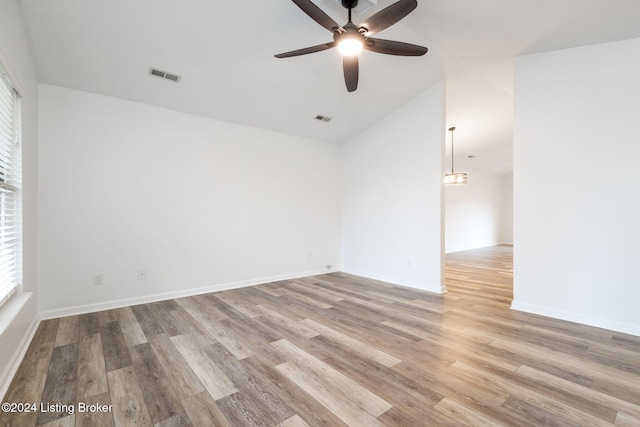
(319, 213)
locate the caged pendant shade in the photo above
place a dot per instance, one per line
(454, 178)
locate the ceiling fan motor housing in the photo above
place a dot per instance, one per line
(350, 31)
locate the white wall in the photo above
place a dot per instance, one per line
(392, 196)
(506, 211)
(18, 317)
(576, 206)
(473, 212)
(200, 204)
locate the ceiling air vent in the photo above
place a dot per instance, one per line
(362, 6)
(323, 118)
(164, 75)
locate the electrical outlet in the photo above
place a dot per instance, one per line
(142, 274)
(98, 279)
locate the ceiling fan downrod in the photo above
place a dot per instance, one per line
(350, 4)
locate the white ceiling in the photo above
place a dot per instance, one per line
(224, 52)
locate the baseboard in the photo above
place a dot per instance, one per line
(395, 281)
(577, 318)
(108, 305)
(16, 359)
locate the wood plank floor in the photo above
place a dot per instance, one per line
(332, 350)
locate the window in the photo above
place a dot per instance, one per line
(9, 185)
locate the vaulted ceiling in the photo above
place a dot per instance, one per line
(224, 52)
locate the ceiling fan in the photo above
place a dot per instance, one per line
(350, 39)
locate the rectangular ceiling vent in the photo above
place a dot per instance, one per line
(323, 118)
(362, 7)
(164, 75)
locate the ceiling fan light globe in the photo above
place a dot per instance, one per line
(350, 46)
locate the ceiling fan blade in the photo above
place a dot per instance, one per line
(390, 47)
(318, 15)
(388, 16)
(350, 65)
(306, 50)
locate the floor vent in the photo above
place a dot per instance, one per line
(164, 75)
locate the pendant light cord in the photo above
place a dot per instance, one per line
(452, 129)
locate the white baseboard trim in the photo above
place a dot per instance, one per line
(16, 359)
(126, 302)
(395, 281)
(577, 318)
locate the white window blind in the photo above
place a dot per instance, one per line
(9, 184)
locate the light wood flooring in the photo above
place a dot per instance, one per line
(333, 350)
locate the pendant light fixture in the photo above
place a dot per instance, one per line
(454, 178)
